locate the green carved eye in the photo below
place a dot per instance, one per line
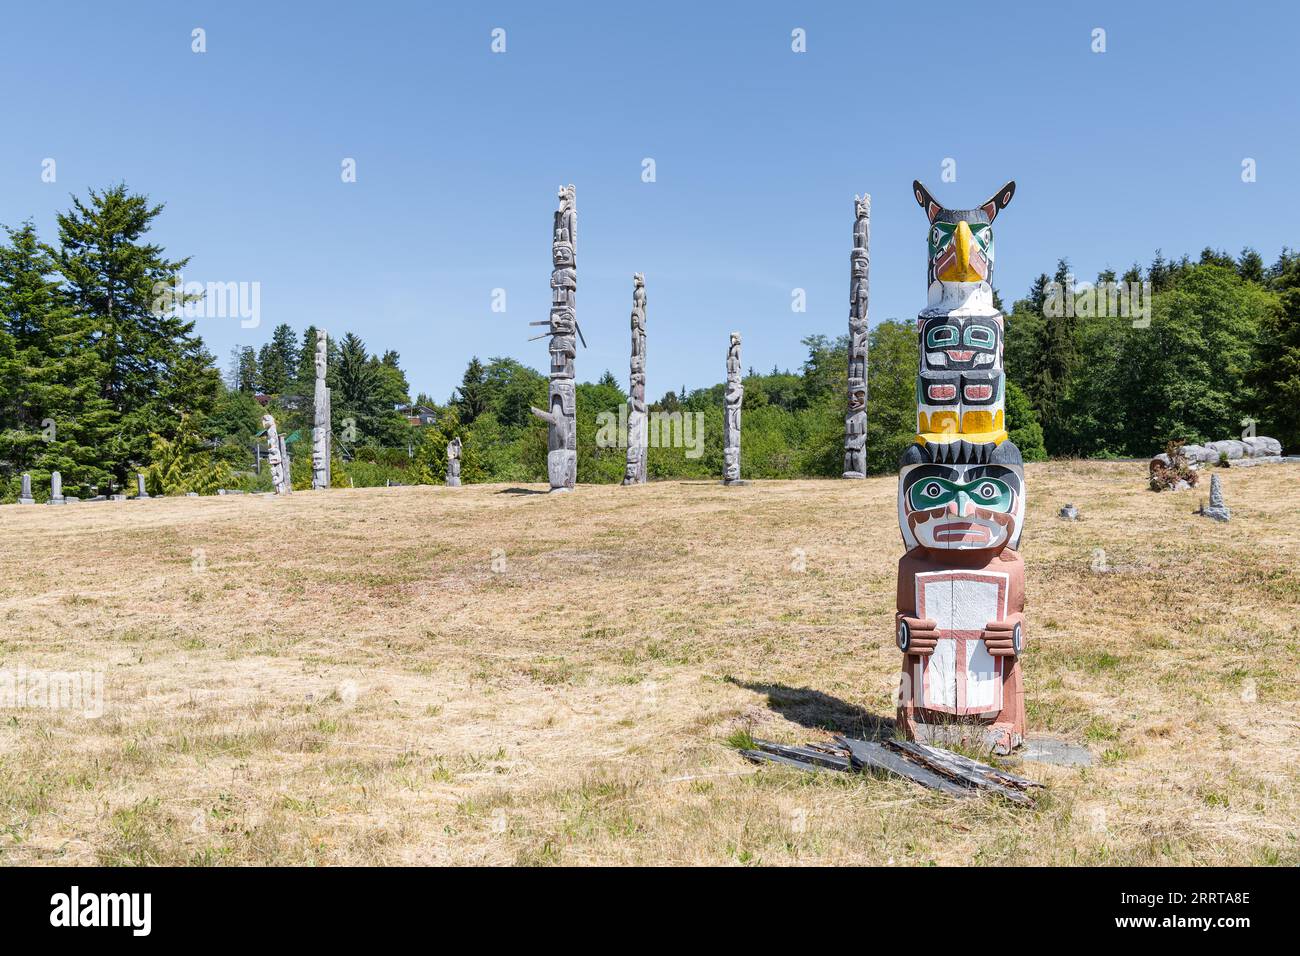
(932, 493)
(991, 494)
(941, 336)
(983, 234)
(987, 493)
(980, 336)
(941, 236)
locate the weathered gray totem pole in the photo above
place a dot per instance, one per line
(561, 416)
(25, 496)
(288, 469)
(636, 415)
(453, 463)
(322, 433)
(732, 400)
(140, 491)
(277, 455)
(855, 420)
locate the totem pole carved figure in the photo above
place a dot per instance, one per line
(961, 504)
(322, 432)
(732, 399)
(561, 414)
(276, 454)
(855, 420)
(453, 463)
(636, 416)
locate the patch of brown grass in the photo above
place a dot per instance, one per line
(427, 675)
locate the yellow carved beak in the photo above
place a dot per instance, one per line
(961, 269)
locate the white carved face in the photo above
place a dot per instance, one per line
(961, 507)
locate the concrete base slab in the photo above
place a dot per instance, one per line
(1056, 752)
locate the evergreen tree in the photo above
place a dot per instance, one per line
(246, 374)
(277, 362)
(304, 373)
(1250, 266)
(358, 394)
(392, 386)
(1276, 373)
(184, 464)
(153, 368)
(1057, 348)
(52, 414)
(470, 399)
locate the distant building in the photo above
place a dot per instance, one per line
(418, 414)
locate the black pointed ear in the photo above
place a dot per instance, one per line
(925, 200)
(1000, 200)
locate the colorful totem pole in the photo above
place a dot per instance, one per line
(635, 472)
(561, 415)
(961, 504)
(855, 419)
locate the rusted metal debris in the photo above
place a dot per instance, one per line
(932, 767)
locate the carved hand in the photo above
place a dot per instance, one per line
(1005, 638)
(916, 635)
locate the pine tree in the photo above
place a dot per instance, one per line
(153, 368)
(470, 400)
(1056, 350)
(304, 375)
(183, 464)
(246, 376)
(277, 362)
(1251, 266)
(52, 413)
(1276, 373)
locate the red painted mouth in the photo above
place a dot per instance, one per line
(978, 393)
(941, 393)
(960, 355)
(962, 531)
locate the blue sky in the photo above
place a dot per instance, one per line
(758, 152)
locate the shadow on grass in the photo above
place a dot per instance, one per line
(522, 491)
(818, 711)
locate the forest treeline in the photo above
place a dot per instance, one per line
(97, 382)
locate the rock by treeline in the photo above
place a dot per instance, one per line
(97, 385)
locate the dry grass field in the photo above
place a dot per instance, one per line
(491, 675)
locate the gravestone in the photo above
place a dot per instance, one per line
(1217, 509)
(25, 496)
(56, 489)
(140, 491)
